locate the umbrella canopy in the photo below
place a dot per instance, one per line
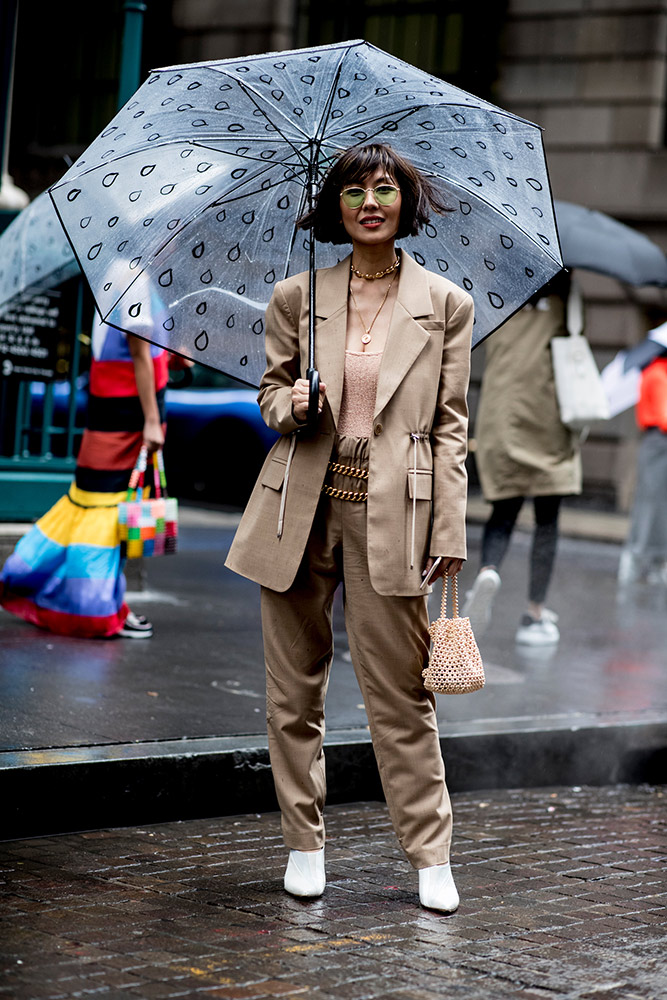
(182, 212)
(34, 252)
(620, 378)
(597, 242)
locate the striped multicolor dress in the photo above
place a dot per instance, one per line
(65, 574)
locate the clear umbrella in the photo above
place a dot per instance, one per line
(34, 252)
(182, 212)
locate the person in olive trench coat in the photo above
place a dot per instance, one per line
(298, 543)
(524, 450)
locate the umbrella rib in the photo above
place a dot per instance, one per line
(253, 95)
(541, 247)
(481, 105)
(317, 138)
(400, 116)
(254, 159)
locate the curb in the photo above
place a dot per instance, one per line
(142, 783)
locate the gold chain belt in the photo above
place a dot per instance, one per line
(331, 491)
(347, 470)
(354, 473)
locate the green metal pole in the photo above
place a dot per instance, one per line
(8, 19)
(130, 60)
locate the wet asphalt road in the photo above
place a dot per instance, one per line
(202, 673)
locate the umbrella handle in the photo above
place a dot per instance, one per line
(313, 395)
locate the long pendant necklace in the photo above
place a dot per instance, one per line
(366, 338)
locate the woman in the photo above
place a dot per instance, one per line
(369, 498)
(523, 450)
(66, 574)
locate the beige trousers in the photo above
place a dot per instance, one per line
(389, 644)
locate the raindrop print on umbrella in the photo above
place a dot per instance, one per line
(183, 212)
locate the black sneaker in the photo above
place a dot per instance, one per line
(136, 627)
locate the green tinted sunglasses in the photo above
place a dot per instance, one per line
(384, 194)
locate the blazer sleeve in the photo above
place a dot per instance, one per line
(282, 364)
(449, 437)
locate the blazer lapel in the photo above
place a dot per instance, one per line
(406, 338)
(330, 330)
(405, 341)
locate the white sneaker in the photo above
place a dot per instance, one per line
(305, 873)
(437, 890)
(479, 600)
(537, 631)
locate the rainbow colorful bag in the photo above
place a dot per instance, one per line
(148, 527)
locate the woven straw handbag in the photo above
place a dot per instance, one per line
(455, 664)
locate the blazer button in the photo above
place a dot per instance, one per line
(377, 429)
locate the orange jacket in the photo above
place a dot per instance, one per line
(652, 403)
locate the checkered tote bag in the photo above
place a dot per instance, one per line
(147, 526)
(455, 664)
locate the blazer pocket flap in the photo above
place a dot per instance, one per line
(274, 474)
(420, 484)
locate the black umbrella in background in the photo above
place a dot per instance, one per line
(597, 242)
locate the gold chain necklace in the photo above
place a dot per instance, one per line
(366, 338)
(378, 274)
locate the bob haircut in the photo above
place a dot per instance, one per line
(419, 195)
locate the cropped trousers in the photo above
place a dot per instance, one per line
(389, 643)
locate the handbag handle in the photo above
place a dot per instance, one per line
(159, 476)
(138, 475)
(455, 597)
(136, 483)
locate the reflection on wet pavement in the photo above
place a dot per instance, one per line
(202, 673)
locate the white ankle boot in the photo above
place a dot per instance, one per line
(437, 890)
(305, 873)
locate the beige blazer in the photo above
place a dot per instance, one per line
(417, 483)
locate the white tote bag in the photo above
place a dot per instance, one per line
(581, 396)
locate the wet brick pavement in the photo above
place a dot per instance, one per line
(564, 895)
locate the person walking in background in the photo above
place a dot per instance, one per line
(523, 450)
(645, 553)
(370, 498)
(66, 573)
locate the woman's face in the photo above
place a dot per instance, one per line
(372, 224)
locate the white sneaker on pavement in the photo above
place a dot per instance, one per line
(479, 601)
(538, 631)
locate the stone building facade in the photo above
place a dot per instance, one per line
(593, 73)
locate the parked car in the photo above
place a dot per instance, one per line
(216, 438)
